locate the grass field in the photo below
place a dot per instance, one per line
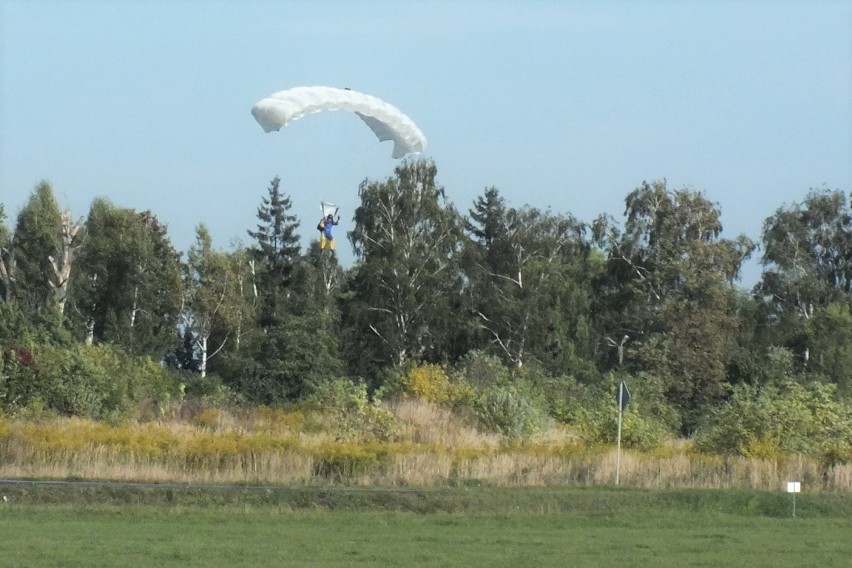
(90, 526)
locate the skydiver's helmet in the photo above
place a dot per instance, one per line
(330, 217)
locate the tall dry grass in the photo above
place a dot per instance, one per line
(433, 447)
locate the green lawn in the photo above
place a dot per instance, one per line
(639, 532)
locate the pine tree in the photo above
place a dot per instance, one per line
(37, 238)
(275, 252)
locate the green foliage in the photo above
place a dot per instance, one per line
(289, 362)
(668, 286)
(100, 382)
(807, 282)
(405, 236)
(16, 327)
(5, 234)
(480, 370)
(807, 254)
(355, 416)
(510, 410)
(767, 420)
(216, 306)
(126, 286)
(527, 282)
(37, 237)
(829, 334)
(275, 252)
(512, 323)
(6, 260)
(647, 421)
(208, 391)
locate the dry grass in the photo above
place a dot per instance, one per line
(435, 447)
(427, 423)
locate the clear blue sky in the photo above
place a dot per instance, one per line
(567, 105)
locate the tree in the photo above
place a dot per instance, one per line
(406, 237)
(523, 283)
(292, 360)
(62, 262)
(829, 335)
(487, 222)
(6, 259)
(275, 253)
(185, 355)
(807, 263)
(668, 285)
(213, 300)
(36, 239)
(126, 288)
(318, 281)
(287, 361)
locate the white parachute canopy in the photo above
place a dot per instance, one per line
(386, 121)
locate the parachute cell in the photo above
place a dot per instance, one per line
(385, 120)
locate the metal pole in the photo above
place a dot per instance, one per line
(618, 443)
(794, 506)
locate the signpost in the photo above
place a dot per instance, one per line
(622, 398)
(794, 487)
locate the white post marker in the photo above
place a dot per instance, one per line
(622, 398)
(794, 487)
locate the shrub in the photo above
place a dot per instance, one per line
(101, 382)
(291, 361)
(647, 421)
(480, 370)
(345, 461)
(759, 421)
(208, 391)
(509, 411)
(354, 415)
(429, 382)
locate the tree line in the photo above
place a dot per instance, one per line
(557, 304)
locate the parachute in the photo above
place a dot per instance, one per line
(386, 121)
(328, 209)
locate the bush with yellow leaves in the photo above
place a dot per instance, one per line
(430, 382)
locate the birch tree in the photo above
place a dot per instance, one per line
(668, 285)
(62, 262)
(212, 298)
(807, 279)
(406, 237)
(807, 259)
(6, 259)
(518, 264)
(126, 286)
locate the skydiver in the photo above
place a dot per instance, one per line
(324, 227)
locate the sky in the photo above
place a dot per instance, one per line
(566, 105)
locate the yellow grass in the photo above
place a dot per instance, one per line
(435, 447)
